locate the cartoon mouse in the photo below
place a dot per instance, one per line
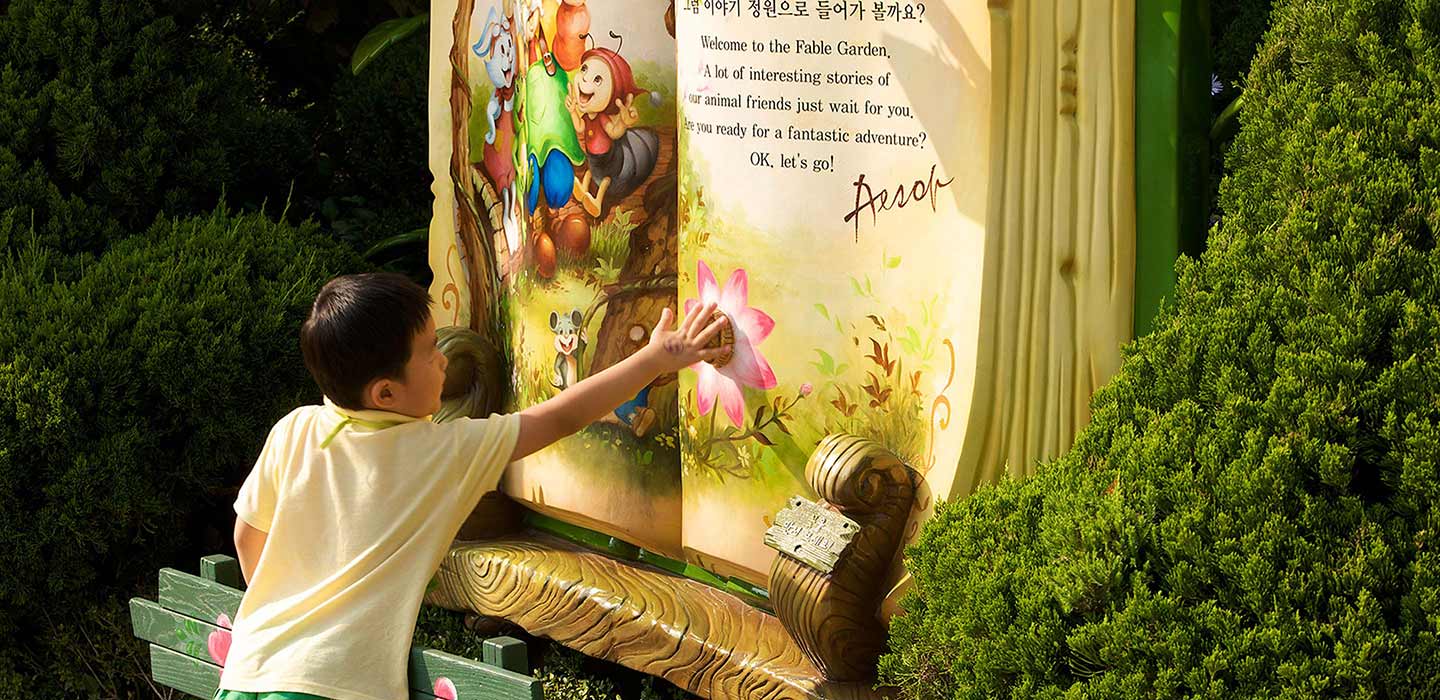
(569, 347)
(497, 47)
(601, 103)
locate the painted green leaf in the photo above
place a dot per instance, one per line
(383, 36)
(893, 263)
(823, 311)
(826, 363)
(911, 341)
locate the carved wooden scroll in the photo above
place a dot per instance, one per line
(700, 638)
(833, 616)
(474, 379)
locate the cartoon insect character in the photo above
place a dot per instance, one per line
(601, 103)
(497, 48)
(569, 333)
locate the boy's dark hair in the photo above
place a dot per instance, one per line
(360, 329)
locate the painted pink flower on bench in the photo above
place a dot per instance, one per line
(219, 641)
(445, 689)
(750, 327)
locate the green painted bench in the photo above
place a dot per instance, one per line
(189, 635)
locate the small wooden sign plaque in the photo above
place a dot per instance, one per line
(812, 534)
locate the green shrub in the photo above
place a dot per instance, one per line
(128, 397)
(112, 112)
(1254, 510)
(377, 147)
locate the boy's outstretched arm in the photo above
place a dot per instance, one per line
(589, 400)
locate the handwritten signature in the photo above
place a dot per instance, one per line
(898, 197)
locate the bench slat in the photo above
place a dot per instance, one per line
(472, 679)
(196, 597)
(187, 675)
(200, 679)
(190, 605)
(171, 630)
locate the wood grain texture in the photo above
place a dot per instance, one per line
(697, 637)
(187, 675)
(468, 677)
(172, 630)
(196, 597)
(833, 616)
(474, 378)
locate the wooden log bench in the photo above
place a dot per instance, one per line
(813, 634)
(189, 634)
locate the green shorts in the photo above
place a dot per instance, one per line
(239, 695)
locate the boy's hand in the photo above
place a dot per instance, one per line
(682, 347)
(594, 396)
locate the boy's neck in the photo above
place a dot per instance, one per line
(367, 407)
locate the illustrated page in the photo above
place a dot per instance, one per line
(832, 201)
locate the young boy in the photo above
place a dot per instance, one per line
(353, 504)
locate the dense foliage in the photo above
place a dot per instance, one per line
(147, 339)
(128, 398)
(1254, 509)
(375, 149)
(112, 112)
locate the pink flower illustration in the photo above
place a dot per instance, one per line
(806, 388)
(445, 689)
(219, 641)
(750, 327)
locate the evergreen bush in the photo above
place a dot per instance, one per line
(1254, 510)
(112, 112)
(377, 148)
(128, 396)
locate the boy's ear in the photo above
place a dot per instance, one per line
(381, 394)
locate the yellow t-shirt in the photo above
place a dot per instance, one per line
(357, 527)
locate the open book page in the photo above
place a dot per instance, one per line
(832, 199)
(566, 150)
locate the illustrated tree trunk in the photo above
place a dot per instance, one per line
(477, 388)
(647, 285)
(474, 226)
